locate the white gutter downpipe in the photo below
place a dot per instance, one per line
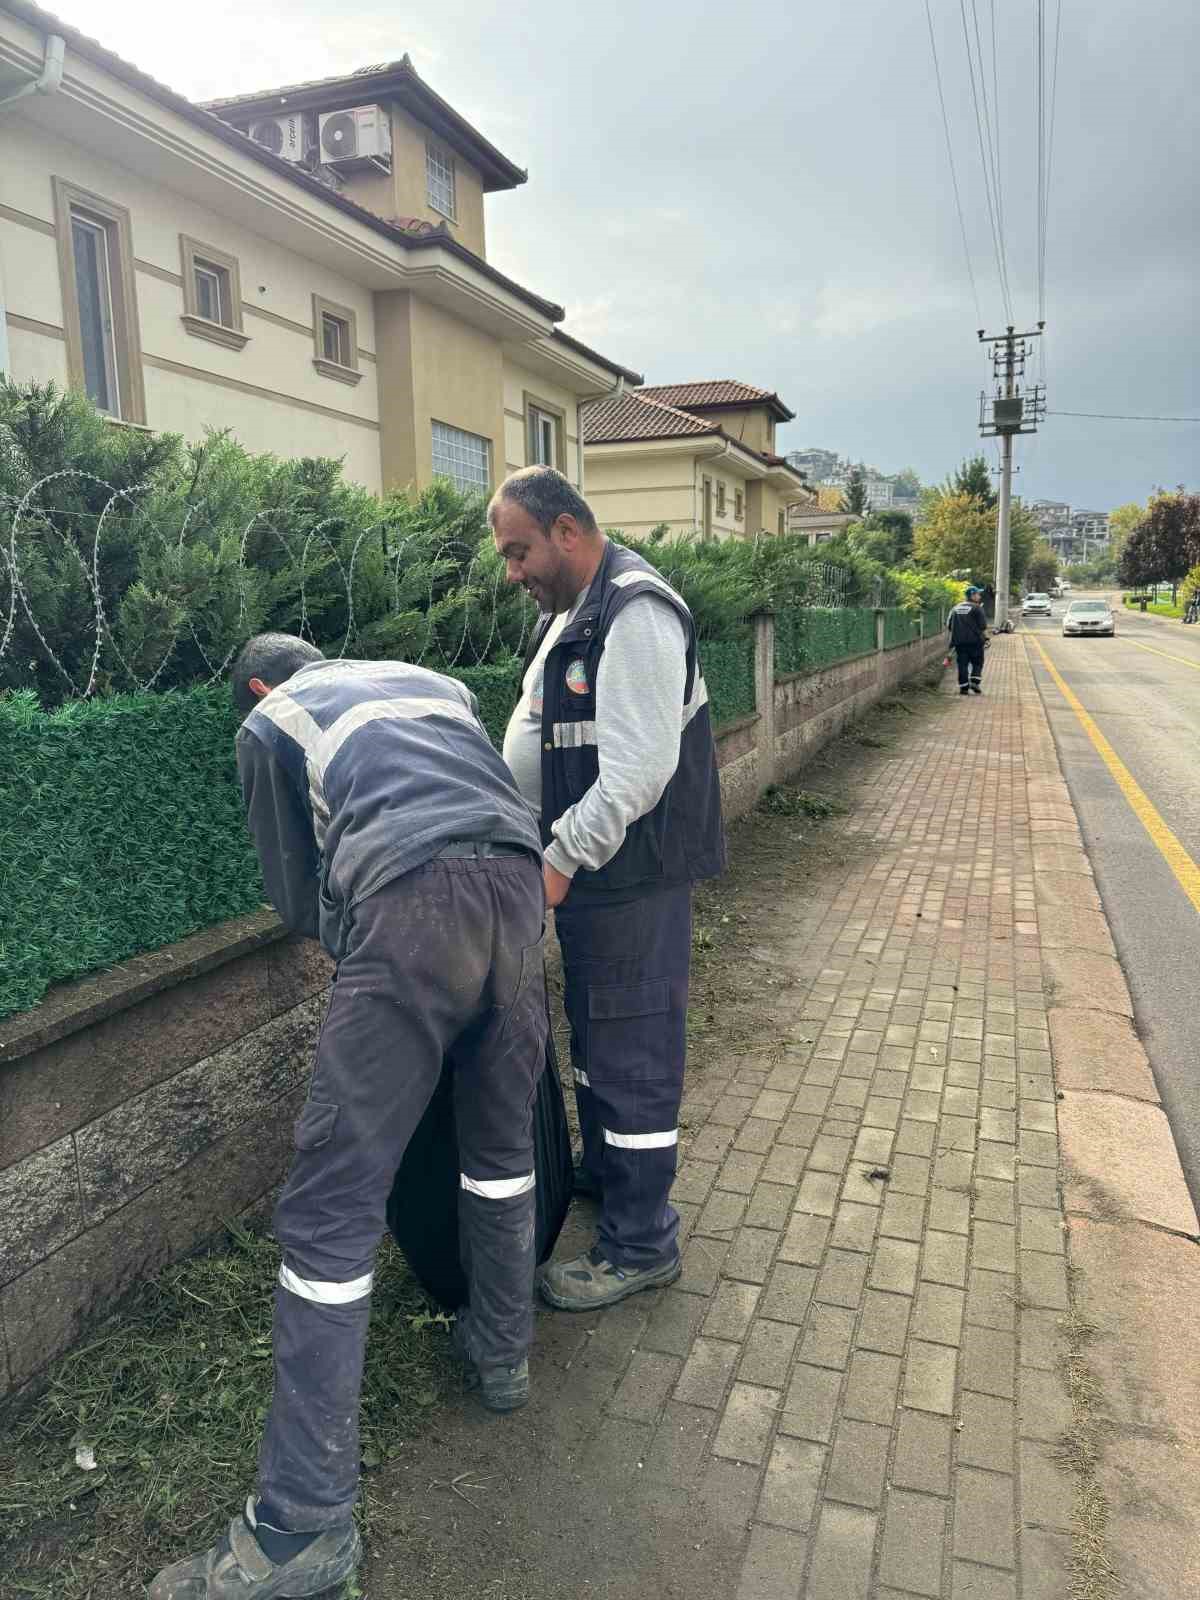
(48, 83)
(612, 394)
(52, 71)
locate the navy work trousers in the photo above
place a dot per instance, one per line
(443, 963)
(970, 664)
(626, 968)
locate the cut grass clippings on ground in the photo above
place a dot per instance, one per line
(781, 800)
(170, 1397)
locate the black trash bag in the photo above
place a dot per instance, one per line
(422, 1210)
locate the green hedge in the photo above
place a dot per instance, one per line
(935, 620)
(813, 637)
(900, 627)
(120, 831)
(497, 690)
(729, 673)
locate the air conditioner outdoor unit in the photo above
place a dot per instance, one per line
(283, 136)
(361, 134)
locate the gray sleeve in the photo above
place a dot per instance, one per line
(282, 834)
(639, 723)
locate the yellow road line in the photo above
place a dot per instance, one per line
(1181, 864)
(1166, 654)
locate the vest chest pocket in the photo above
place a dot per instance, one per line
(626, 1037)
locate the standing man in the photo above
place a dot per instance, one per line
(968, 638)
(387, 827)
(612, 745)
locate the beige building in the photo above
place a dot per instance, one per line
(699, 457)
(306, 267)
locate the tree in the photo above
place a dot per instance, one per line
(886, 536)
(973, 478)
(1042, 570)
(1122, 522)
(907, 482)
(958, 534)
(1172, 537)
(854, 499)
(1136, 564)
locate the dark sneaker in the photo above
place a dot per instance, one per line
(976, 688)
(964, 690)
(586, 1185)
(498, 1388)
(236, 1567)
(591, 1281)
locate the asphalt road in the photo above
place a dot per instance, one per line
(1143, 690)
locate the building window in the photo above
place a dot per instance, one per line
(335, 339)
(739, 504)
(95, 257)
(720, 497)
(212, 295)
(464, 458)
(546, 433)
(439, 182)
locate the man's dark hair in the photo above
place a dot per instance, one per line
(545, 495)
(273, 657)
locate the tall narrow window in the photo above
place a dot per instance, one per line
(93, 290)
(212, 295)
(100, 324)
(546, 433)
(439, 182)
(335, 337)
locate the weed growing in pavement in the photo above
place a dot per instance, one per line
(171, 1396)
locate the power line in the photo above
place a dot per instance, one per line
(987, 182)
(1049, 160)
(996, 115)
(1119, 416)
(953, 174)
(993, 144)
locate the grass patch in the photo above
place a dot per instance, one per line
(171, 1397)
(1079, 1451)
(782, 800)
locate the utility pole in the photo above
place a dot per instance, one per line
(1014, 407)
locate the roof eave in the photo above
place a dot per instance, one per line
(403, 85)
(634, 378)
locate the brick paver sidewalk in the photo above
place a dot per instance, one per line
(851, 1391)
(884, 1200)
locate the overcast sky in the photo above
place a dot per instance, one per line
(761, 191)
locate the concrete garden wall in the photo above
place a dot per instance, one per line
(143, 1108)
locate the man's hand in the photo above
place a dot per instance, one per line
(556, 885)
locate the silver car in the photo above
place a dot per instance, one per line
(1037, 605)
(1089, 616)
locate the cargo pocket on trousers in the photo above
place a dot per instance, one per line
(314, 1125)
(626, 1036)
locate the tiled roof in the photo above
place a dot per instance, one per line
(634, 416)
(402, 65)
(716, 392)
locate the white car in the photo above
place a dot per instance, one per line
(1037, 605)
(1089, 616)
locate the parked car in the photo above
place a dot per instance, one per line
(1037, 605)
(1089, 616)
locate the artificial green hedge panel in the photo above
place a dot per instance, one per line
(729, 673)
(900, 627)
(815, 636)
(120, 831)
(497, 689)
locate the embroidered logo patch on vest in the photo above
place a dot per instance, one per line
(577, 677)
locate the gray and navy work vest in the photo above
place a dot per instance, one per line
(390, 763)
(682, 840)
